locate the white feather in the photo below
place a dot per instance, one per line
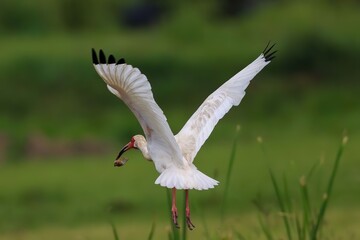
(134, 89)
(190, 178)
(200, 125)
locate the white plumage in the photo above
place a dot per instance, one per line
(173, 156)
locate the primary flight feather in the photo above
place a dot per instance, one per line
(173, 156)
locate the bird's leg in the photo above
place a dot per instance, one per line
(187, 209)
(174, 209)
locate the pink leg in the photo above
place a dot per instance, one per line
(187, 209)
(173, 208)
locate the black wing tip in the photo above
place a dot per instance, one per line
(268, 56)
(94, 57)
(111, 59)
(102, 58)
(121, 61)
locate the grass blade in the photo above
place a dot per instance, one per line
(298, 228)
(116, 236)
(265, 229)
(228, 174)
(306, 206)
(287, 199)
(277, 192)
(281, 203)
(328, 190)
(152, 230)
(313, 169)
(288, 203)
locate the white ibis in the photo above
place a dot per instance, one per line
(173, 156)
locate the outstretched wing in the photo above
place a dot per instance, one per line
(131, 86)
(199, 127)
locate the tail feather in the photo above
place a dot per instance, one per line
(185, 179)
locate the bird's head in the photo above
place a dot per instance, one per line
(134, 143)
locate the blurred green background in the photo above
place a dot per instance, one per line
(60, 128)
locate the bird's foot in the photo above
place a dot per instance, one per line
(175, 217)
(190, 225)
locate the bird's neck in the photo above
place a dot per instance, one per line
(144, 150)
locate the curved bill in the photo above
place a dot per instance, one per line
(121, 161)
(123, 150)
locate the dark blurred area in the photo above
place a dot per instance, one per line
(52, 101)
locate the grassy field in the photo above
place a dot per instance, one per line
(76, 198)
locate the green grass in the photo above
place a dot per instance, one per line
(305, 222)
(320, 216)
(72, 194)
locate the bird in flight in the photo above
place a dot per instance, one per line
(173, 156)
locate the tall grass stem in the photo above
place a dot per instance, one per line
(327, 194)
(228, 173)
(152, 230)
(277, 191)
(116, 236)
(265, 229)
